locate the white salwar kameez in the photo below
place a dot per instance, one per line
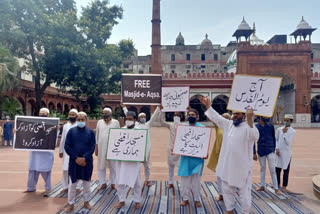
(235, 160)
(65, 159)
(284, 144)
(128, 174)
(173, 160)
(148, 125)
(102, 135)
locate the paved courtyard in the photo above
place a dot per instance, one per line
(14, 172)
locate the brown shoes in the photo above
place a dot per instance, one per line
(87, 205)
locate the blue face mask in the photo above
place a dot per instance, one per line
(237, 122)
(287, 124)
(81, 124)
(192, 120)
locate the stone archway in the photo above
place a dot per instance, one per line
(43, 104)
(30, 107)
(315, 109)
(219, 103)
(22, 104)
(59, 108)
(196, 104)
(51, 106)
(66, 109)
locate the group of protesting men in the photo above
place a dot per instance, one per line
(232, 156)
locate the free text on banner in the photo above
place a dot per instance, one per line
(127, 144)
(144, 89)
(35, 133)
(175, 99)
(257, 92)
(192, 141)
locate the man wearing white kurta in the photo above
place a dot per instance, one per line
(40, 163)
(284, 138)
(236, 157)
(102, 135)
(142, 124)
(128, 173)
(173, 160)
(62, 153)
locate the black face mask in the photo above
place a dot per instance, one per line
(43, 116)
(192, 120)
(72, 119)
(106, 116)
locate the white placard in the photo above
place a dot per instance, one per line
(192, 141)
(257, 92)
(175, 99)
(127, 144)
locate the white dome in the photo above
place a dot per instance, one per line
(303, 24)
(244, 25)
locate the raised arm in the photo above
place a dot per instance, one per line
(213, 115)
(163, 120)
(154, 116)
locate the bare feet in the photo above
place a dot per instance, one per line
(113, 186)
(219, 198)
(64, 191)
(87, 205)
(260, 188)
(103, 186)
(198, 204)
(120, 204)
(184, 203)
(29, 191)
(229, 212)
(277, 192)
(170, 186)
(138, 206)
(284, 189)
(69, 208)
(148, 183)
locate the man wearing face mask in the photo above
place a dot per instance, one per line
(128, 172)
(79, 145)
(102, 135)
(72, 117)
(173, 160)
(235, 160)
(143, 124)
(284, 138)
(266, 151)
(190, 169)
(40, 163)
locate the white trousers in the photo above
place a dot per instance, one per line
(230, 193)
(73, 191)
(272, 169)
(102, 174)
(6, 142)
(122, 194)
(65, 179)
(146, 165)
(219, 184)
(171, 174)
(33, 178)
(191, 184)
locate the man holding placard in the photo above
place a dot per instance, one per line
(72, 116)
(143, 124)
(173, 160)
(235, 161)
(102, 133)
(190, 169)
(128, 172)
(79, 145)
(40, 162)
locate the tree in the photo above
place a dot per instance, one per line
(9, 68)
(11, 107)
(27, 26)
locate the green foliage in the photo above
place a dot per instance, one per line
(11, 107)
(58, 115)
(58, 47)
(9, 68)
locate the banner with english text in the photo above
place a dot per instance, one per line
(141, 89)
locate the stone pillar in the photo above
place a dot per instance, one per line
(156, 39)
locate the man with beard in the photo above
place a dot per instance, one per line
(235, 161)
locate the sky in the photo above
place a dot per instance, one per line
(219, 19)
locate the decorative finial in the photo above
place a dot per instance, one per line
(302, 18)
(206, 36)
(254, 28)
(243, 19)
